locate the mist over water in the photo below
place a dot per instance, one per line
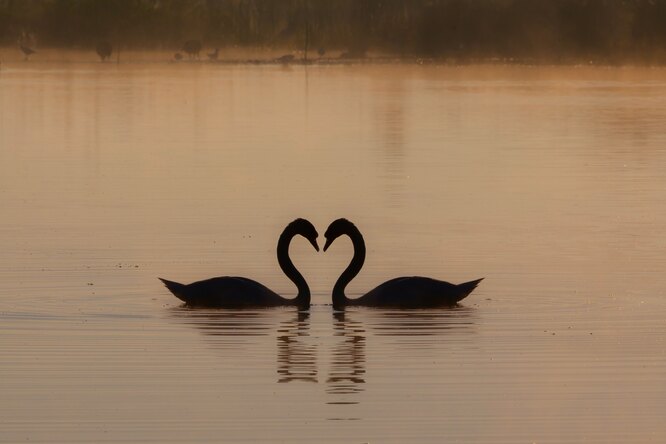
(548, 181)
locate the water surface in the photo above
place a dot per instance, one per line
(547, 181)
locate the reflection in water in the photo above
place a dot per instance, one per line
(390, 115)
(296, 359)
(428, 322)
(226, 328)
(347, 359)
(225, 322)
(414, 331)
(231, 329)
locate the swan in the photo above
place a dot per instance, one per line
(402, 292)
(240, 292)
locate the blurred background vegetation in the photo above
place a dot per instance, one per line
(553, 30)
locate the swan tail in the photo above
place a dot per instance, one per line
(467, 287)
(177, 289)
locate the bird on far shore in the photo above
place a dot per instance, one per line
(287, 58)
(192, 48)
(104, 50)
(27, 51)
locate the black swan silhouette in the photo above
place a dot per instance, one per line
(240, 292)
(402, 292)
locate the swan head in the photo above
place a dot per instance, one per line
(336, 229)
(305, 229)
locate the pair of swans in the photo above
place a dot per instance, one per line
(240, 292)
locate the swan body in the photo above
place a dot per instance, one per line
(240, 292)
(402, 292)
(415, 292)
(225, 292)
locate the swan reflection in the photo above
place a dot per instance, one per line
(225, 322)
(239, 331)
(417, 334)
(296, 357)
(347, 373)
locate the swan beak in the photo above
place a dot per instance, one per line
(314, 244)
(329, 241)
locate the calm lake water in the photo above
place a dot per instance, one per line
(548, 182)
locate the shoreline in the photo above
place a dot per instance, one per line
(270, 56)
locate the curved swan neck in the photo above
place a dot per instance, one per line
(302, 299)
(354, 267)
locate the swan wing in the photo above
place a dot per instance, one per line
(230, 291)
(416, 292)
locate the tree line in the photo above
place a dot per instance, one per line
(557, 30)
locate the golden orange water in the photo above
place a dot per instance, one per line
(549, 182)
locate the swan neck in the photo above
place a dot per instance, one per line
(302, 299)
(354, 267)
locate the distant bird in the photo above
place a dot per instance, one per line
(27, 52)
(287, 58)
(192, 48)
(402, 292)
(104, 50)
(178, 57)
(321, 51)
(213, 55)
